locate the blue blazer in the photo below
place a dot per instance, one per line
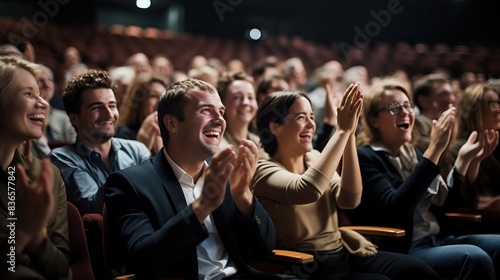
(159, 232)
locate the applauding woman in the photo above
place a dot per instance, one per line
(33, 196)
(479, 113)
(401, 185)
(301, 190)
(138, 112)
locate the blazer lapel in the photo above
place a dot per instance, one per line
(169, 181)
(173, 189)
(226, 235)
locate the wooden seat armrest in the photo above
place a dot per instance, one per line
(125, 277)
(277, 256)
(292, 257)
(468, 217)
(377, 231)
(132, 277)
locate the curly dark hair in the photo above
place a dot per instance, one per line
(92, 79)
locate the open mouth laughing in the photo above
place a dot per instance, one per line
(37, 118)
(212, 134)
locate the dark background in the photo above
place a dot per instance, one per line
(445, 21)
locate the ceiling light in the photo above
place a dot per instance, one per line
(143, 4)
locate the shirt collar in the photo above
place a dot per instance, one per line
(180, 174)
(84, 150)
(378, 147)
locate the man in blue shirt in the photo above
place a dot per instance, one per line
(85, 165)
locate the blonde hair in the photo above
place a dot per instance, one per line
(369, 134)
(9, 64)
(470, 110)
(130, 109)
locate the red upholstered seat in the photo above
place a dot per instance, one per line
(79, 254)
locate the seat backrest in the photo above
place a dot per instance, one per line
(79, 254)
(113, 258)
(92, 223)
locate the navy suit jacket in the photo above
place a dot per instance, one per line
(159, 232)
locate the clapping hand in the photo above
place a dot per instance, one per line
(149, 133)
(244, 168)
(441, 134)
(216, 178)
(490, 139)
(35, 203)
(350, 108)
(214, 187)
(331, 104)
(479, 145)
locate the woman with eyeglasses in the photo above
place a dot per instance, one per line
(400, 185)
(479, 110)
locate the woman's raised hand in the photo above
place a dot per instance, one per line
(350, 109)
(441, 133)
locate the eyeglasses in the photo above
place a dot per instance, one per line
(395, 108)
(494, 105)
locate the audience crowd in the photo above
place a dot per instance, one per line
(200, 167)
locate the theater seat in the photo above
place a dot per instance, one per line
(279, 261)
(79, 259)
(92, 222)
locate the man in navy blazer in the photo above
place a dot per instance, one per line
(175, 214)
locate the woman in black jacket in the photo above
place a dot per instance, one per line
(400, 185)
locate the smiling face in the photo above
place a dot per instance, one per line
(22, 108)
(240, 103)
(275, 84)
(202, 127)
(490, 110)
(442, 96)
(98, 116)
(150, 104)
(46, 85)
(162, 67)
(394, 130)
(296, 134)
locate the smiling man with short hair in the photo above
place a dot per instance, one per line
(90, 102)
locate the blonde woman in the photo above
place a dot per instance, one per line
(237, 93)
(479, 113)
(33, 196)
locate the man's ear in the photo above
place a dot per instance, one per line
(275, 128)
(170, 123)
(74, 119)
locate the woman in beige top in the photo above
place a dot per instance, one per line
(301, 190)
